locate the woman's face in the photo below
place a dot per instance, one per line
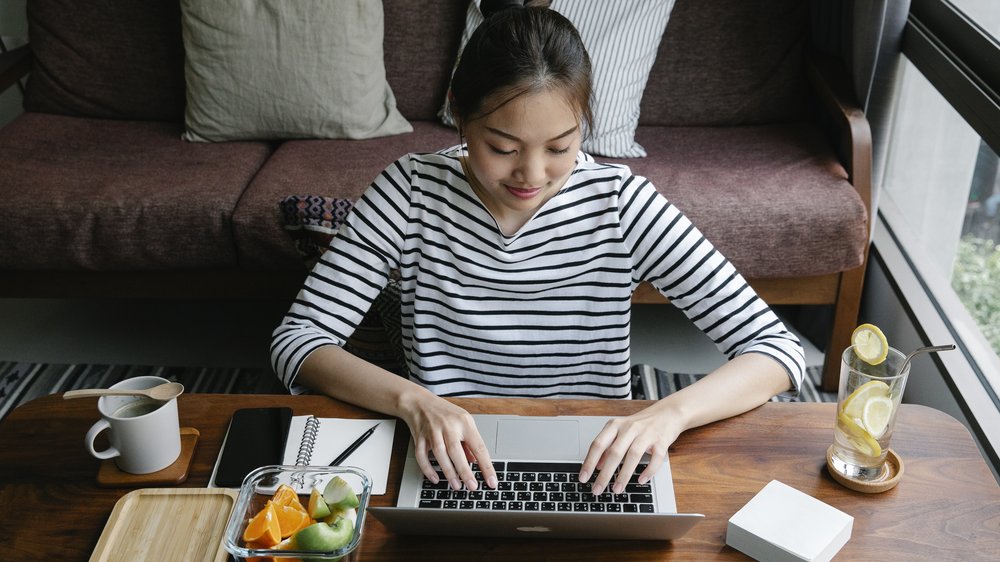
(521, 154)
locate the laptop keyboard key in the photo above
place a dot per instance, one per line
(430, 503)
(547, 467)
(640, 498)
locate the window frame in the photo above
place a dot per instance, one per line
(954, 54)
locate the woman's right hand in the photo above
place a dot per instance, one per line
(449, 432)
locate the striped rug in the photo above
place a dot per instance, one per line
(21, 382)
(649, 383)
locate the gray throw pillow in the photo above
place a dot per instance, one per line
(273, 69)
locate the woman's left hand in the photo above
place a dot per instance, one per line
(624, 441)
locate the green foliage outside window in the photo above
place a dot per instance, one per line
(976, 280)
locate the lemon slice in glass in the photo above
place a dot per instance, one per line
(854, 405)
(858, 437)
(876, 414)
(869, 344)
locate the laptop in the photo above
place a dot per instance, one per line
(537, 461)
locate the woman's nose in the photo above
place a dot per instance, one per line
(530, 171)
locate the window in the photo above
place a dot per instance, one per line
(943, 181)
(939, 203)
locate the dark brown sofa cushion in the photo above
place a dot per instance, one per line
(772, 198)
(104, 194)
(116, 59)
(421, 40)
(729, 62)
(331, 168)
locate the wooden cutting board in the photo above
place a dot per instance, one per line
(167, 524)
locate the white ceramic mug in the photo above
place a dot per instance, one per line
(144, 434)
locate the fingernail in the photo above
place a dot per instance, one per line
(492, 482)
(471, 484)
(584, 476)
(456, 484)
(597, 490)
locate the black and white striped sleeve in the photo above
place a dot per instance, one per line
(671, 253)
(348, 277)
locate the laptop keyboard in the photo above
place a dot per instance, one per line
(538, 486)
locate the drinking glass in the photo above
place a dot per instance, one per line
(867, 401)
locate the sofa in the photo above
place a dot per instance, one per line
(751, 132)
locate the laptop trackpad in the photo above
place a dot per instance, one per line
(547, 439)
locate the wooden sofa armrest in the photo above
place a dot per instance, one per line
(842, 115)
(14, 65)
(846, 120)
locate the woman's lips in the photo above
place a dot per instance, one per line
(523, 192)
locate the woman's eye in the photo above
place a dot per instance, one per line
(501, 152)
(559, 150)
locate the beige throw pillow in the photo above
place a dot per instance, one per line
(274, 69)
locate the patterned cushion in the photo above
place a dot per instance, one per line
(312, 221)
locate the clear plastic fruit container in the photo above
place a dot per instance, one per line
(260, 485)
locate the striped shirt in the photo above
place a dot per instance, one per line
(543, 312)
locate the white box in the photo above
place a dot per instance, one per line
(781, 523)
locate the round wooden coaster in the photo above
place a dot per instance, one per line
(891, 477)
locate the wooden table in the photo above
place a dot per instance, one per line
(947, 506)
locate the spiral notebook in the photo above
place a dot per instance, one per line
(317, 441)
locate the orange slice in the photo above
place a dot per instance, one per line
(263, 528)
(291, 519)
(285, 495)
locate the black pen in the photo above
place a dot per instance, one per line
(354, 446)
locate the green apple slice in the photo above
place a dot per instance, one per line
(323, 537)
(338, 493)
(318, 508)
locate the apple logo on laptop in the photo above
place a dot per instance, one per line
(537, 529)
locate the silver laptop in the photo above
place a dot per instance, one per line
(537, 461)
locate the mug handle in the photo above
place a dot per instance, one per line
(95, 429)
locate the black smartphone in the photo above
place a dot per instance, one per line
(256, 438)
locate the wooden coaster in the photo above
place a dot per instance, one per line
(110, 476)
(893, 473)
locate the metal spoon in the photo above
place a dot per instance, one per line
(906, 362)
(162, 392)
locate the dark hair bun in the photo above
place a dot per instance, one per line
(490, 7)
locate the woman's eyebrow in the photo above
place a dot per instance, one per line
(514, 138)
